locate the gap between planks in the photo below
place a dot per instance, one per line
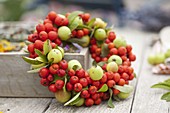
(140, 70)
(48, 105)
(146, 99)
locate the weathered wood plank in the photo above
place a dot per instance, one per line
(147, 100)
(120, 107)
(137, 40)
(24, 105)
(55, 107)
(16, 82)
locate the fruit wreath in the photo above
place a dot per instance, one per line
(110, 74)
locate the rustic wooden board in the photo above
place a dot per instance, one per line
(141, 102)
(120, 107)
(16, 82)
(14, 79)
(147, 100)
(24, 105)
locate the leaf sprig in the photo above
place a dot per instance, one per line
(46, 48)
(164, 85)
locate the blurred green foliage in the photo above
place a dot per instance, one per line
(11, 10)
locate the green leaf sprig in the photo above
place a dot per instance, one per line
(73, 99)
(43, 58)
(110, 101)
(164, 85)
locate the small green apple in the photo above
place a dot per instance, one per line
(64, 33)
(78, 20)
(167, 53)
(55, 54)
(159, 58)
(62, 96)
(100, 23)
(80, 102)
(119, 41)
(96, 72)
(116, 59)
(151, 59)
(61, 50)
(100, 34)
(112, 66)
(74, 63)
(122, 95)
(84, 41)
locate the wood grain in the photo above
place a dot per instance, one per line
(147, 100)
(122, 106)
(16, 82)
(143, 99)
(24, 105)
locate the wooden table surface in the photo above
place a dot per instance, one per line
(142, 100)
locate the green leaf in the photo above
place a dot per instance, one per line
(51, 61)
(94, 63)
(91, 22)
(100, 43)
(83, 26)
(101, 63)
(28, 42)
(65, 81)
(95, 27)
(39, 53)
(36, 70)
(73, 93)
(78, 41)
(105, 50)
(104, 88)
(163, 85)
(47, 47)
(31, 60)
(73, 99)
(56, 77)
(116, 98)
(167, 81)
(26, 51)
(109, 29)
(56, 47)
(124, 89)
(73, 15)
(135, 75)
(166, 97)
(110, 102)
(73, 25)
(86, 88)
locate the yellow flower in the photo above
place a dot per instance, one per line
(6, 46)
(1, 48)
